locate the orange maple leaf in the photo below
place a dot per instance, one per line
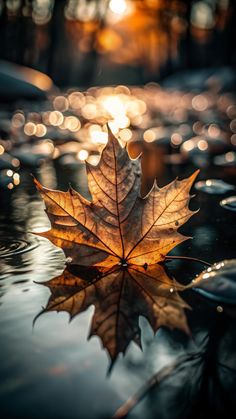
(121, 237)
(117, 225)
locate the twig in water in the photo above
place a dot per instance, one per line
(188, 258)
(156, 379)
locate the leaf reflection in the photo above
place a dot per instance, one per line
(120, 295)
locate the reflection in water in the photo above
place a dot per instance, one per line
(214, 186)
(229, 203)
(218, 282)
(200, 383)
(120, 295)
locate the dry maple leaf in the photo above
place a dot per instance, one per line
(117, 226)
(120, 296)
(122, 236)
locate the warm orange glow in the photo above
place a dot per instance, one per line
(125, 134)
(56, 118)
(35, 77)
(30, 128)
(18, 120)
(72, 123)
(200, 103)
(60, 103)
(118, 6)
(202, 145)
(89, 111)
(149, 135)
(41, 130)
(82, 155)
(176, 139)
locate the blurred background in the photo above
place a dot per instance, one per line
(87, 42)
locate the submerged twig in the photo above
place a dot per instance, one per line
(156, 379)
(188, 258)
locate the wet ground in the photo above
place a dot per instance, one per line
(50, 369)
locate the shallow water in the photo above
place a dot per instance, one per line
(50, 370)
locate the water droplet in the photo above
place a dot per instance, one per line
(219, 309)
(214, 186)
(229, 203)
(219, 284)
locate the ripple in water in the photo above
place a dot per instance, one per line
(229, 203)
(10, 246)
(214, 186)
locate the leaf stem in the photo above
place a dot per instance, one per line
(188, 258)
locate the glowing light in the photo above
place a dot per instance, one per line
(15, 162)
(213, 131)
(41, 130)
(176, 139)
(199, 103)
(202, 15)
(89, 111)
(45, 147)
(233, 125)
(10, 185)
(1, 149)
(72, 123)
(93, 159)
(76, 100)
(114, 106)
(136, 107)
(56, 153)
(198, 127)
(82, 155)
(149, 135)
(118, 6)
(219, 309)
(233, 139)
(18, 120)
(56, 118)
(9, 173)
(230, 156)
(188, 145)
(16, 179)
(125, 134)
(231, 111)
(122, 121)
(30, 128)
(114, 127)
(202, 145)
(60, 103)
(99, 137)
(45, 117)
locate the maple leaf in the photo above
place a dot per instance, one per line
(121, 236)
(117, 226)
(120, 296)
